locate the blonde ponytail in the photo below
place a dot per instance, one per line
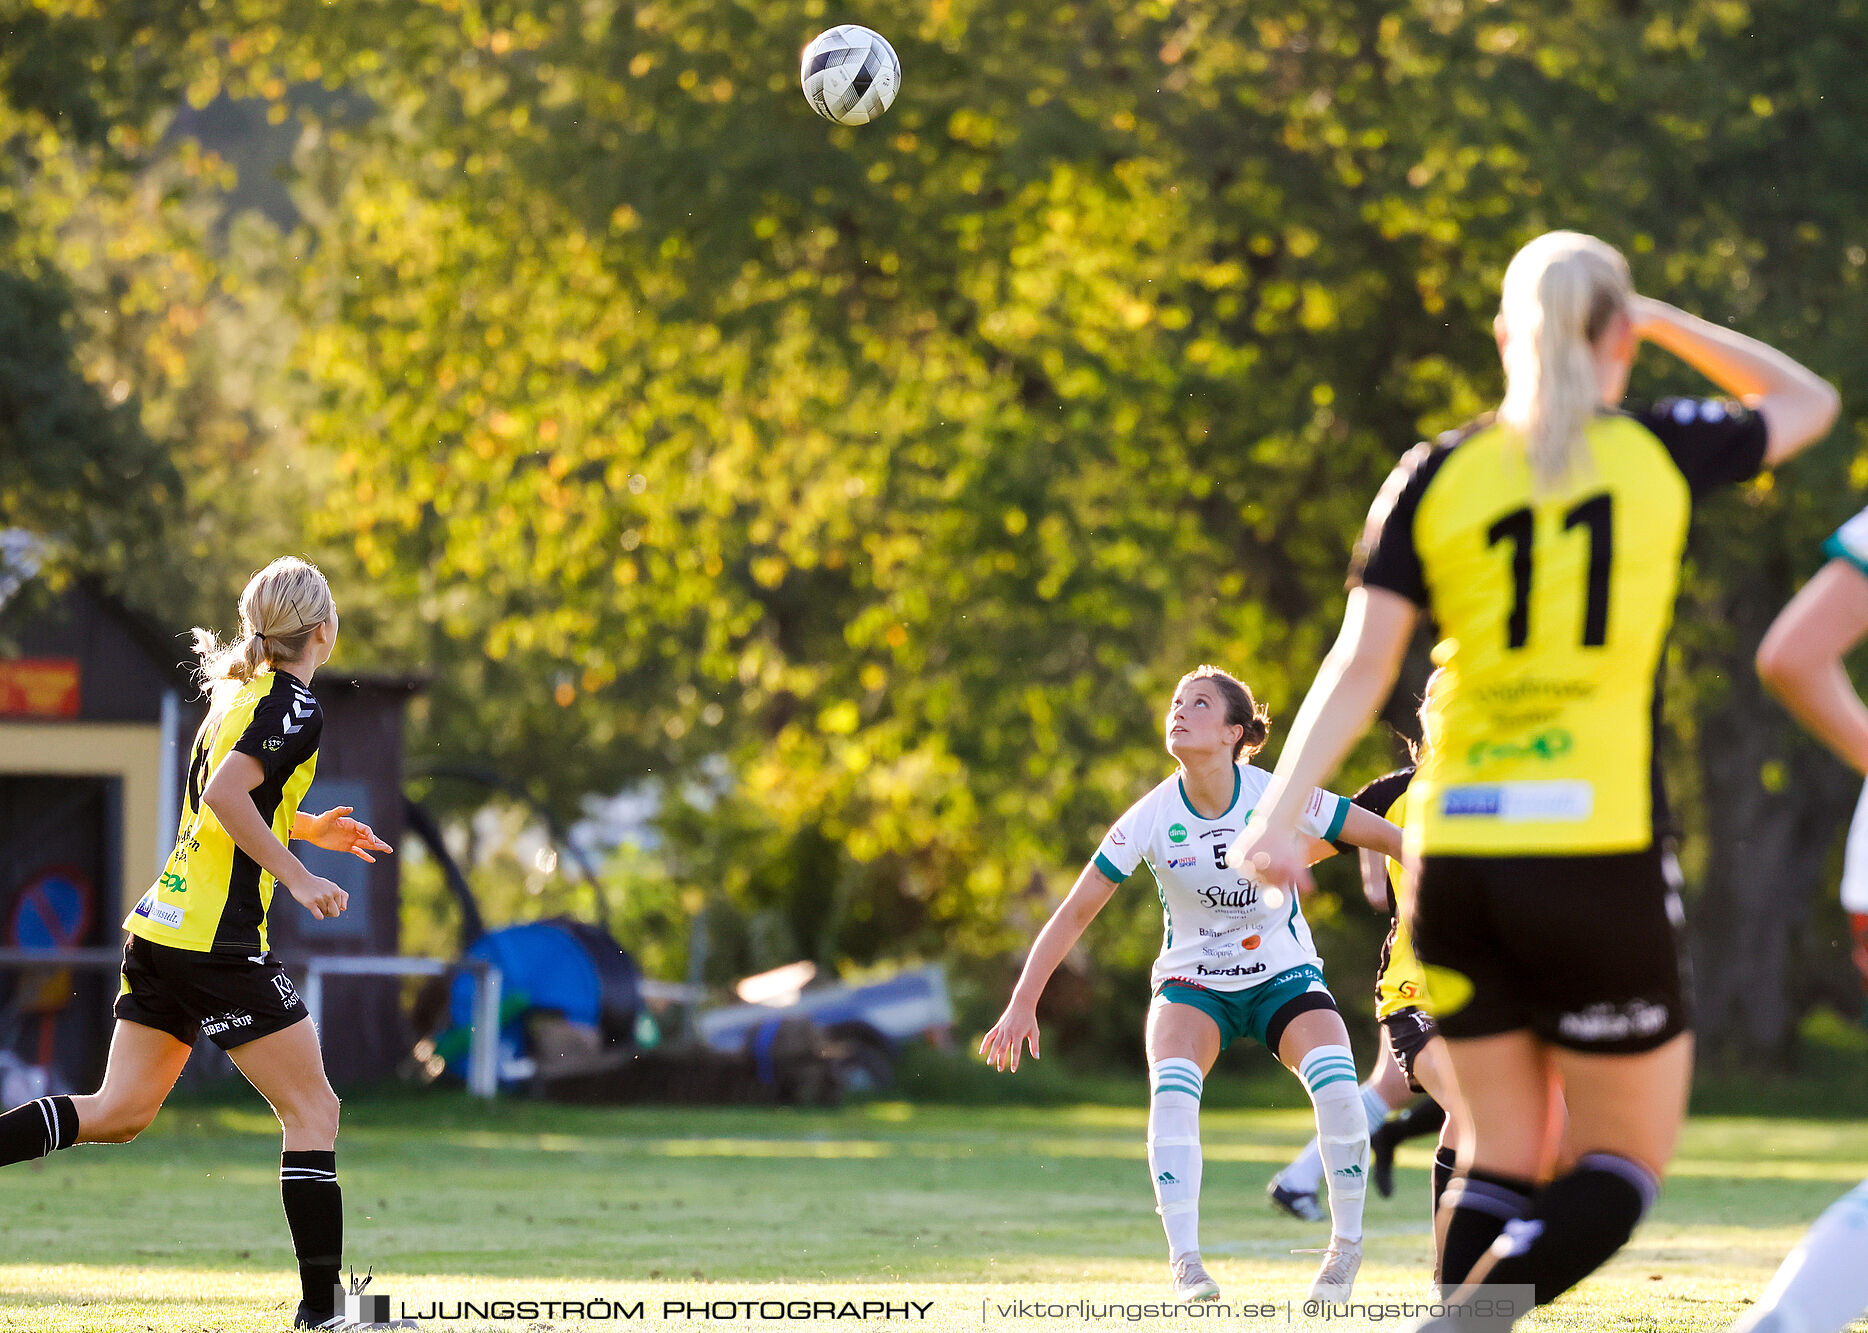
(279, 609)
(1561, 293)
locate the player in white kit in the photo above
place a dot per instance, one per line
(1822, 1285)
(1850, 546)
(1236, 960)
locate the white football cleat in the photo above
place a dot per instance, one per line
(1191, 1280)
(1336, 1279)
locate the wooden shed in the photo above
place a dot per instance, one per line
(97, 714)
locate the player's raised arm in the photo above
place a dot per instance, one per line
(1018, 1025)
(1798, 405)
(1343, 700)
(1800, 659)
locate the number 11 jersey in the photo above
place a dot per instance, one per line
(1551, 610)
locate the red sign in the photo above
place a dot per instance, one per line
(38, 687)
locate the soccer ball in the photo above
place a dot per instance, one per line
(850, 74)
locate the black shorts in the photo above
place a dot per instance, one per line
(1408, 1030)
(1584, 951)
(230, 998)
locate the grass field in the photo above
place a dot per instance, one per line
(966, 1208)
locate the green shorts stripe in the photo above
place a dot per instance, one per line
(1247, 1012)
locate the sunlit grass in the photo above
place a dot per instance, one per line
(965, 1207)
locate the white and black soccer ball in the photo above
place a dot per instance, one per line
(850, 74)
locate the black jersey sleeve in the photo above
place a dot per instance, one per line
(1379, 796)
(1385, 557)
(1713, 441)
(284, 730)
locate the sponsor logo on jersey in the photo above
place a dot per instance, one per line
(274, 742)
(1177, 833)
(283, 984)
(1514, 802)
(1201, 969)
(1245, 895)
(1251, 941)
(1180, 862)
(1470, 801)
(163, 914)
(1215, 832)
(1551, 744)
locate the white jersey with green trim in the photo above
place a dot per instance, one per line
(1217, 929)
(1850, 542)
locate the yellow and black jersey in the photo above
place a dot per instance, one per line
(1551, 610)
(212, 895)
(1399, 983)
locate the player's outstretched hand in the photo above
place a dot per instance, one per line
(1276, 860)
(320, 897)
(336, 832)
(1017, 1026)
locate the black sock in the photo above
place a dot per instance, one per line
(1575, 1224)
(37, 1128)
(1445, 1160)
(1482, 1203)
(314, 1209)
(1423, 1117)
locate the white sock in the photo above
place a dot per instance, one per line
(1374, 1106)
(1305, 1173)
(1822, 1285)
(1329, 1072)
(1174, 1151)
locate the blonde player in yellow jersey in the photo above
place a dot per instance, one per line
(196, 961)
(1545, 543)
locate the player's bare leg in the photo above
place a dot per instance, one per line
(1624, 1121)
(141, 1071)
(288, 1069)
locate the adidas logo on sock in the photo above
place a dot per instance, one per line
(1166, 1178)
(1351, 1171)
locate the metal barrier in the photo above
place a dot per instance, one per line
(483, 1056)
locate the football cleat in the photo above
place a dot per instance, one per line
(1301, 1204)
(1191, 1280)
(1336, 1279)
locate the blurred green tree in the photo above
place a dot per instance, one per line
(901, 470)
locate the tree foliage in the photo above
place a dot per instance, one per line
(905, 468)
